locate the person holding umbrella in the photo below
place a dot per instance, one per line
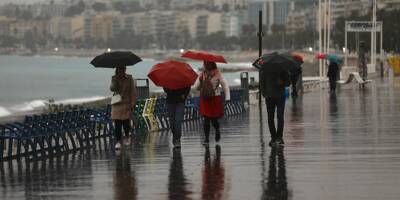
(176, 78)
(122, 112)
(211, 102)
(296, 74)
(274, 69)
(333, 71)
(124, 87)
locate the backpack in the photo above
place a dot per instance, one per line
(206, 87)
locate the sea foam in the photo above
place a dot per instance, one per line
(4, 112)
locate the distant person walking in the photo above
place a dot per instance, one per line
(333, 69)
(273, 89)
(176, 105)
(121, 112)
(211, 102)
(294, 79)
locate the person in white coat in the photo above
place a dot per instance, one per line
(211, 101)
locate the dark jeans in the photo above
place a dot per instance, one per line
(206, 125)
(294, 80)
(332, 83)
(278, 104)
(118, 128)
(175, 114)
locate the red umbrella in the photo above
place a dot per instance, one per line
(321, 56)
(172, 74)
(298, 57)
(205, 56)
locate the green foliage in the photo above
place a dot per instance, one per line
(76, 9)
(29, 41)
(128, 40)
(127, 7)
(8, 41)
(99, 7)
(217, 41)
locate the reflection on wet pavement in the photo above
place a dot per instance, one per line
(213, 175)
(177, 181)
(337, 147)
(276, 186)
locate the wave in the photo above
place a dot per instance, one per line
(80, 100)
(4, 112)
(32, 105)
(40, 104)
(237, 81)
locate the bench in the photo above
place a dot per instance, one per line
(354, 76)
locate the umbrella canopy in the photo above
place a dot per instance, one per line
(115, 59)
(321, 56)
(172, 75)
(275, 62)
(297, 59)
(334, 58)
(205, 56)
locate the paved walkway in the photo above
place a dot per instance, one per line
(337, 147)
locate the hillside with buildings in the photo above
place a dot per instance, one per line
(167, 24)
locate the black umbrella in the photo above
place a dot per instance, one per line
(115, 59)
(275, 62)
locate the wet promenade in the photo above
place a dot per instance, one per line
(337, 147)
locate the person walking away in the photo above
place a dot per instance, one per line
(294, 77)
(333, 70)
(122, 112)
(176, 105)
(273, 89)
(211, 102)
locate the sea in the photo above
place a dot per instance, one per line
(29, 82)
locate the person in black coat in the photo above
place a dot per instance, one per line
(333, 70)
(294, 78)
(273, 89)
(176, 105)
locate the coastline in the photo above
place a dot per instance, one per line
(19, 116)
(151, 54)
(310, 66)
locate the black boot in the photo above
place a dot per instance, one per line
(217, 136)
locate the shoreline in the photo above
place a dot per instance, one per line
(52, 107)
(151, 54)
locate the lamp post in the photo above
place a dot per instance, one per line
(324, 30)
(260, 35)
(320, 37)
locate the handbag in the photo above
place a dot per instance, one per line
(116, 98)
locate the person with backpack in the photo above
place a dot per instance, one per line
(273, 86)
(211, 102)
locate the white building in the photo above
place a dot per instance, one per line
(232, 23)
(274, 12)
